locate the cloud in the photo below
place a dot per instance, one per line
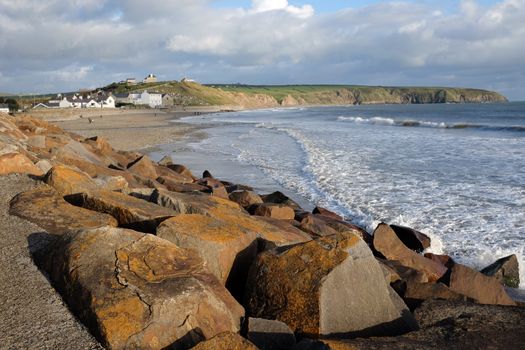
(271, 41)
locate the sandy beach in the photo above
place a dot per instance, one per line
(130, 129)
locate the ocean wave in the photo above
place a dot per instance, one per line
(428, 124)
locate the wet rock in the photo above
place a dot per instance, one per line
(475, 285)
(46, 208)
(327, 213)
(275, 211)
(11, 163)
(207, 174)
(269, 334)
(278, 197)
(144, 167)
(129, 211)
(225, 341)
(138, 291)
(308, 286)
(245, 198)
(67, 180)
(506, 270)
(223, 245)
(387, 243)
(411, 238)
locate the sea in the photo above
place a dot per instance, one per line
(453, 171)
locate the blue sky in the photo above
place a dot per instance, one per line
(65, 45)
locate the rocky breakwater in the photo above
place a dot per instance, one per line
(149, 256)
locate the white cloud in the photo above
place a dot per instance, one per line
(304, 11)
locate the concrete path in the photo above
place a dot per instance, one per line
(32, 313)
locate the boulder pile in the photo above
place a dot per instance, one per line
(149, 256)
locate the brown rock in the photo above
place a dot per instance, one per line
(138, 291)
(37, 141)
(129, 211)
(67, 180)
(11, 163)
(280, 198)
(275, 211)
(221, 244)
(111, 183)
(46, 208)
(269, 334)
(416, 293)
(327, 213)
(321, 226)
(182, 170)
(413, 239)
(475, 285)
(226, 341)
(443, 259)
(173, 184)
(143, 167)
(165, 161)
(245, 198)
(389, 245)
(308, 286)
(506, 270)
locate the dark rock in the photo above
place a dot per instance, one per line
(245, 198)
(207, 174)
(506, 270)
(413, 239)
(181, 169)
(269, 334)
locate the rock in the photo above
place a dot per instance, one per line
(280, 198)
(221, 244)
(506, 270)
(46, 208)
(387, 243)
(321, 226)
(308, 286)
(481, 288)
(390, 273)
(411, 238)
(44, 165)
(238, 187)
(416, 293)
(215, 187)
(129, 211)
(101, 147)
(37, 141)
(443, 259)
(67, 180)
(144, 167)
(165, 161)
(226, 210)
(245, 198)
(11, 163)
(207, 174)
(111, 183)
(163, 171)
(219, 192)
(275, 211)
(138, 291)
(225, 341)
(269, 334)
(182, 170)
(327, 213)
(175, 185)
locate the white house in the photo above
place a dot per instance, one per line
(151, 99)
(4, 108)
(151, 78)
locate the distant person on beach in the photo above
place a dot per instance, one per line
(90, 120)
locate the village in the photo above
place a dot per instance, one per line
(104, 99)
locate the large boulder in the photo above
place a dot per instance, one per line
(173, 184)
(329, 287)
(129, 211)
(226, 341)
(481, 288)
(413, 239)
(323, 225)
(144, 167)
(506, 270)
(11, 163)
(138, 291)
(46, 208)
(391, 247)
(278, 197)
(221, 244)
(327, 213)
(67, 180)
(181, 169)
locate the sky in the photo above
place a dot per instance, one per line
(66, 45)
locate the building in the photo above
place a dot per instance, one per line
(188, 80)
(131, 81)
(151, 78)
(151, 99)
(100, 100)
(4, 108)
(168, 100)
